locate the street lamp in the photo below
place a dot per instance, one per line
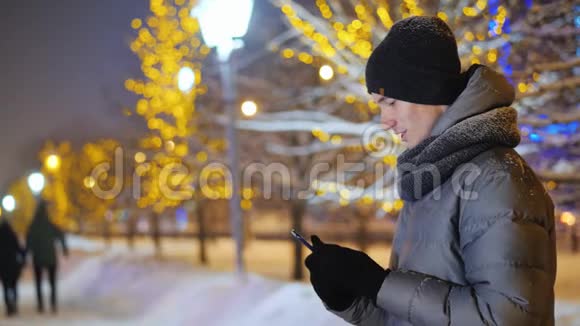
(9, 203)
(326, 72)
(36, 182)
(249, 108)
(223, 23)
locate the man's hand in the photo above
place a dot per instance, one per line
(334, 295)
(350, 271)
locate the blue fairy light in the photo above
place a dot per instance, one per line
(534, 137)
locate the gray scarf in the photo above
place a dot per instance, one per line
(440, 155)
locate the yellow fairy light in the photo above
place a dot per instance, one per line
(247, 193)
(442, 15)
(469, 11)
(350, 99)
(568, 218)
(476, 50)
(342, 70)
(136, 23)
(156, 142)
(169, 146)
(390, 160)
(287, 10)
(336, 139)
(367, 200)
(142, 106)
(360, 9)
(491, 57)
(469, 36)
(481, 4)
(475, 61)
(305, 57)
(288, 53)
(387, 207)
(386, 19)
(246, 204)
(201, 157)
(398, 204)
(154, 124)
(140, 157)
(89, 182)
(344, 193)
(129, 84)
(52, 162)
(551, 185)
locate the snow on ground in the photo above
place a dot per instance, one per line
(113, 286)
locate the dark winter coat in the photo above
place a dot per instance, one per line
(11, 254)
(42, 237)
(484, 256)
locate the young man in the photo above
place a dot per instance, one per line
(475, 242)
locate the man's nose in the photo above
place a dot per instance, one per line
(389, 123)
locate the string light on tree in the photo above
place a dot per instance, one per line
(185, 79)
(89, 182)
(52, 162)
(568, 218)
(140, 157)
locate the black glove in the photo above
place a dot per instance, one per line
(334, 295)
(354, 271)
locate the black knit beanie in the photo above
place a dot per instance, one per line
(417, 62)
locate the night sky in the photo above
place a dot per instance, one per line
(63, 64)
(62, 68)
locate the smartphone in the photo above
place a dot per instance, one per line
(298, 237)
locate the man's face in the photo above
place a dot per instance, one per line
(413, 122)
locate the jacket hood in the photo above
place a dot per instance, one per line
(485, 90)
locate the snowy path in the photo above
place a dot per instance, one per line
(118, 290)
(115, 288)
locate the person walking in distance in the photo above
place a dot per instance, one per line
(41, 241)
(11, 263)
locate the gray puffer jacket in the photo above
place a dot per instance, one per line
(480, 248)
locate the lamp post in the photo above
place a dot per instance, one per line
(223, 23)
